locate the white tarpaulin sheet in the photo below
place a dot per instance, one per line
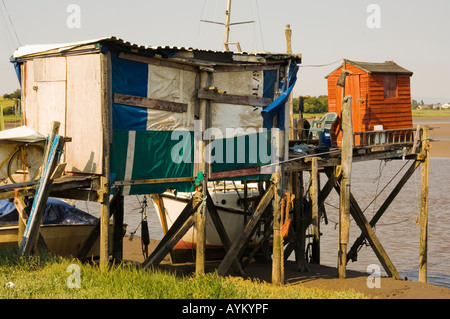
(21, 134)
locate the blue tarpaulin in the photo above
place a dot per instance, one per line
(56, 212)
(277, 106)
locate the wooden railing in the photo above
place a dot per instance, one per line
(384, 137)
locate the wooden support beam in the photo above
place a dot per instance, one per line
(23, 210)
(298, 240)
(314, 195)
(105, 185)
(344, 198)
(369, 234)
(205, 167)
(155, 181)
(21, 206)
(162, 250)
(375, 243)
(219, 97)
(159, 201)
(148, 103)
(32, 230)
(221, 229)
(372, 238)
(277, 248)
(95, 233)
(182, 224)
(423, 251)
(117, 210)
(353, 252)
(237, 245)
(306, 218)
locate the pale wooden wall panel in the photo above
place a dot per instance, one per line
(84, 121)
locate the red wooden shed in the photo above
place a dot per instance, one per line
(381, 95)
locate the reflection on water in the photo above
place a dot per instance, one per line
(397, 228)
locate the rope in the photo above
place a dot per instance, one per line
(12, 25)
(319, 65)
(386, 185)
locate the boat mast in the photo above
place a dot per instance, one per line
(227, 27)
(228, 24)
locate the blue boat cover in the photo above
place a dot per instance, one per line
(56, 212)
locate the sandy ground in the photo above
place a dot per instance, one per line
(318, 276)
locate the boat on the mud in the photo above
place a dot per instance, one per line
(234, 207)
(64, 228)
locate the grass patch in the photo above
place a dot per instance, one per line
(45, 277)
(431, 113)
(310, 115)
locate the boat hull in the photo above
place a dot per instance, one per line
(61, 240)
(231, 214)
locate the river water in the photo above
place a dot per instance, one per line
(397, 229)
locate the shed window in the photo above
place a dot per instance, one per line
(390, 86)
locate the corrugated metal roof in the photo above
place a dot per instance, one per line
(385, 67)
(388, 67)
(36, 50)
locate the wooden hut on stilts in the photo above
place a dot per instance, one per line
(145, 120)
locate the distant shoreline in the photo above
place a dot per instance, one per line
(440, 134)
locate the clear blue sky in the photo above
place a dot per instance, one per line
(413, 33)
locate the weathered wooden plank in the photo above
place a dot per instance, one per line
(233, 99)
(245, 67)
(150, 103)
(236, 173)
(31, 233)
(155, 181)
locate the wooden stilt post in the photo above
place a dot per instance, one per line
(298, 219)
(107, 138)
(424, 208)
(117, 209)
(277, 262)
(205, 160)
(314, 194)
(104, 223)
(344, 199)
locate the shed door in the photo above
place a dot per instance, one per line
(50, 88)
